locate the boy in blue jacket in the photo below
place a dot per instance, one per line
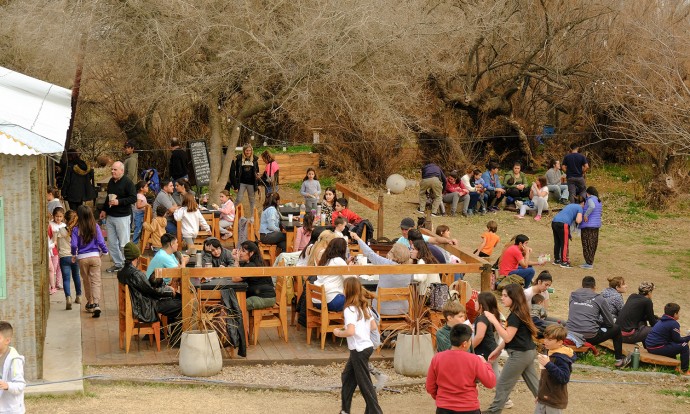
(555, 375)
(665, 339)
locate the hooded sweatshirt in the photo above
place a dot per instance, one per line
(12, 399)
(553, 384)
(666, 331)
(585, 309)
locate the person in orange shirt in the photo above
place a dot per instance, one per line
(489, 240)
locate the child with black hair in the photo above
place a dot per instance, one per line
(341, 210)
(555, 373)
(665, 339)
(453, 375)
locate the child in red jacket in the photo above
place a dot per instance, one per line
(341, 210)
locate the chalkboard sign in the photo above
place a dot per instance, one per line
(200, 162)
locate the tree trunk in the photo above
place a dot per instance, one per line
(220, 165)
(523, 140)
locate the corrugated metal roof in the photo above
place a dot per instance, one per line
(33, 113)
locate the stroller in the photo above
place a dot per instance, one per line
(151, 177)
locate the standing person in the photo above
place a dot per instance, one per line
(142, 188)
(591, 223)
(191, 219)
(555, 372)
(87, 246)
(78, 176)
(271, 173)
(453, 375)
(433, 180)
(67, 267)
(555, 179)
(118, 210)
(489, 240)
(560, 226)
(359, 323)
(311, 189)
(328, 204)
(539, 194)
(131, 162)
(178, 161)
(665, 339)
(227, 214)
(518, 340)
(244, 173)
(269, 228)
(637, 318)
(575, 166)
(12, 381)
(493, 187)
(455, 192)
(516, 183)
(165, 199)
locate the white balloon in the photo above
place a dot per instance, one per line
(396, 183)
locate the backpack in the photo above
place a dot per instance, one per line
(510, 279)
(439, 293)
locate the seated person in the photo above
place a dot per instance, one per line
(515, 260)
(516, 183)
(555, 181)
(147, 301)
(215, 255)
(303, 234)
(614, 295)
(165, 258)
(261, 293)
(334, 255)
(589, 316)
(538, 313)
(164, 198)
(340, 225)
(454, 313)
(407, 224)
(438, 253)
(227, 214)
(456, 192)
(398, 254)
(453, 375)
(341, 210)
(493, 186)
(637, 316)
(665, 339)
(420, 254)
(157, 227)
(269, 229)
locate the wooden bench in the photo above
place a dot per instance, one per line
(645, 356)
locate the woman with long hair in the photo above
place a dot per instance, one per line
(190, 219)
(269, 229)
(539, 194)
(420, 254)
(244, 174)
(261, 293)
(328, 203)
(314, 254)
(334, 255)
(271, 173)
(359, 322)
(87, 246)
(518, 340)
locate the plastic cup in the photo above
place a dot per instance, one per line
(550, 290)
(323, 219)
(289, 218)
(361, 259)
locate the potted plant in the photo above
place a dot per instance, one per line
(413, 346)
(200, 348)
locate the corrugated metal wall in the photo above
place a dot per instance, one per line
(23, 187)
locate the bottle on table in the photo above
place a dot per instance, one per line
(302, 212)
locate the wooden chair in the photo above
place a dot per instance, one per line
(389, 295)
(239, 213)
(213, 223)
(354, 248)
(321, 319)
(298, 288)
(275, 316)
(145, 235)
(198, 240)
(130, 326)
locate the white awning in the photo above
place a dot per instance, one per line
(34, 115)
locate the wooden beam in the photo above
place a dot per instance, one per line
(376, 206)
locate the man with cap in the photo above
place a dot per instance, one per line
(131, 162)
(407, 223)
(637, 318)
(147, 301)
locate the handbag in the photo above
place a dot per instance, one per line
(439, 293)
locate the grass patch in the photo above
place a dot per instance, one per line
(676, 393)
(324, 181)
(618, 172)
(294, 149)
(638, 209)
(606, 359)
(677, 267)
(654, 241)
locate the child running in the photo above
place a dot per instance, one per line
(311, 189)
(190, 218)
(555, 372)
(359, 323)
(12, 381)
(489, 240)
(87, 246)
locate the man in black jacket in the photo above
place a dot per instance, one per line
(147, 301)
(118, 210)
(178, 161)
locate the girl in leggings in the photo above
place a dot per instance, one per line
(359, 323)
(518, 341)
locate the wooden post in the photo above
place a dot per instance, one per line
(486, 277)
(379, 223)
(187, 300)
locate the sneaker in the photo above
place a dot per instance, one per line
(464, 214)
(482, 212)
(77, 299)
(68, 303)
(556, 262)
(566, 265)
(381, 380)
(421, 212)
(519, 216)
(537, 218)
(587, 266)
(89, 307)
(435, 215)
(509, 404)
(518, 204)
(96, 311)
(114, 269)
(622, 363)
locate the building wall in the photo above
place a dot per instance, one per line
(23, 187)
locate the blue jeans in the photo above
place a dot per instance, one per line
(525, 273)
(335, 305)
(68, 268)
(171, 228)
(118, 236)
(138, 223)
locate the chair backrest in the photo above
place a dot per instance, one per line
(281, 292)
(239, 213)
(143, 263)
(146, 235)
(315, 292)
(212, 222)
(256, 226)
(392, 294)
(128, 302)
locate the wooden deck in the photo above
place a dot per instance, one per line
(100, 341)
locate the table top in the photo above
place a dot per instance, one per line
(219, 283)
(285, 210)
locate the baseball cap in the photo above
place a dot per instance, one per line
(407, 223)
(129, 144)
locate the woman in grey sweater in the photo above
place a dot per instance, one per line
(555, 182)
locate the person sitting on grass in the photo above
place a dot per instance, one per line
(614, 295)
(555, 374)
(454, 313)
(589, 316)
(665, 339)
(637, 316)
(453, 375)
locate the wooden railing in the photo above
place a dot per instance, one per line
(376, 206)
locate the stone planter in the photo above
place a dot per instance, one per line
(413, 354)
(200, 354)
